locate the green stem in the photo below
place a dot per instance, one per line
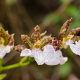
(1, 61)
(24, 59)
(15, 66)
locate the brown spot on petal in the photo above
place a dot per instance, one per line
(57, 47)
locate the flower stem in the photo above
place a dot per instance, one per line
(15, 66)
(24, 59)
(1, 61)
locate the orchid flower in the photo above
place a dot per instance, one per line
(75, 47)
(6, 42)
(41, 49)
(71, 39)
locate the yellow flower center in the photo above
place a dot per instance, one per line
(37, 44)
(68, 37)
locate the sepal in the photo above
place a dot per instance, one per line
(74, 31)
(64, 28)
(75, 38)
(5, 35)
(11, 41)
(19, 48)
(26, 39)
(57, 44)
(42, 34)
(45, 40)
(36, 35)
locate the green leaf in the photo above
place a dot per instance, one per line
(65, 69)
(2, 76)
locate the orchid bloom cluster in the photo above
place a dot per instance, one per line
(6, 42)
(44, 49)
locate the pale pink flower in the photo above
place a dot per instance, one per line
(6, 42)
(48, 56)
(75, 47)
(4, 50)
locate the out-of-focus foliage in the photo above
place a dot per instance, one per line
(65, 69)
(64, 1)
(2, 76)
(73, 11)
(11, 1)
(1, 25)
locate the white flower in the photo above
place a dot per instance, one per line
(48, 56)
(6, 42)
(4, 50)
(75, 47)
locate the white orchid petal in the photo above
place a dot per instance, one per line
(48, 52)
(39, 56)
(48, 56)
(75, 48)
(63, 60)
(26, 52)
(4, 50)
(57, 59)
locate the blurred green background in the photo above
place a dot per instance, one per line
(21, 16)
